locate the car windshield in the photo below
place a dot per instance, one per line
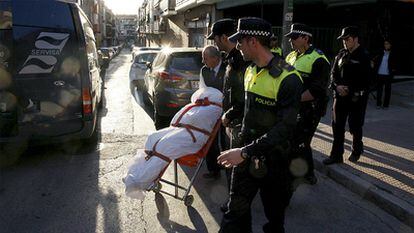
(187, 61)
(144, 58)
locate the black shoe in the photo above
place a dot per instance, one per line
(224, 207)
(311, 179)
(354, 157)
(330, 161)
(212, 175)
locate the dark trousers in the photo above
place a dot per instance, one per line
(211, 157)
(384, 84)
(275, 193)
(307, 124)
(345, 108)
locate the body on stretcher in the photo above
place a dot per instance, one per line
(186, 141)
(191, 160)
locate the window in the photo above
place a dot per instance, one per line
(6, 37)
(90, 42)
(6, 16)
(42, 14)
(144, 58)
(187, 61)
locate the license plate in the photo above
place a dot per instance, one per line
(194, 84)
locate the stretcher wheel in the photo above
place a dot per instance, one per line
(157, 187)
(188, 200)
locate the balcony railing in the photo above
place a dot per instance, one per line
(184, 4)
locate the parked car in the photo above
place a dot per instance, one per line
(108, 52)
(170, 81)
(52, 90)
(139, 66)
(137, 49)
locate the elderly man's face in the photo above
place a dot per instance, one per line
(210, 61)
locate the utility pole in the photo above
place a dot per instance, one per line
(287, 21)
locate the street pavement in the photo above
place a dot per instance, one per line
(51, 191)
(385, 173)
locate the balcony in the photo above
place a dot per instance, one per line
(167, 8)
(182, 5)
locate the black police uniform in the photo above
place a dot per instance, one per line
(352, 70)
(314, 69)
(272, 97)
(233, 102)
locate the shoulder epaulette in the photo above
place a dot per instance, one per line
(319, 52)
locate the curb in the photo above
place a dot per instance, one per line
(400, 209)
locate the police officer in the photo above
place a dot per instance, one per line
(313, 67)
(350, 79)
(274, 46)
(273, 90)
(233, 102)
(233, 91)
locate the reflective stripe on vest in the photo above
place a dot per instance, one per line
(303, 63)
(263, 83)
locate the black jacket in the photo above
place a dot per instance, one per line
(233, 103)
(212, 80)
(352, 70)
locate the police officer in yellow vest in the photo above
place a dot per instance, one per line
(314, 68)
(274, 46)
(273, 90)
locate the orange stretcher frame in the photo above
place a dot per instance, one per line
(191, 160)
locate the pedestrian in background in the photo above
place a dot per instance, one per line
(273, 90)
(314, 68)
(213, 75)
(351, 77)
(233, 102)
(384, 65)
(274, 46)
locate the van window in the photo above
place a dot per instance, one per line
(6, 39)
(6, 17)
(90, 43)
(47, 14)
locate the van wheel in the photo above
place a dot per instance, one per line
(11, 152)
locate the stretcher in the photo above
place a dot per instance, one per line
(192, 160)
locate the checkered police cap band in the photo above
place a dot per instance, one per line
(255, 33)
(301, 32)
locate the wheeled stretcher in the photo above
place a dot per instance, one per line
(192, 160)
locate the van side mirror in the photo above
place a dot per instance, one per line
(149, 65)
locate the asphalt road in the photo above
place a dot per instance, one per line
(50, 190)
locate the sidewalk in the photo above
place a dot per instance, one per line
(384, 174)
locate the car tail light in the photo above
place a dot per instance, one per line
(171, 105)
(87, 101)
(164, 75)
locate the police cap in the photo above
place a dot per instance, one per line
(251, 26)
(297, 29)
(222, 26)
(351, 31)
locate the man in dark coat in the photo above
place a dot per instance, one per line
(213, 75)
